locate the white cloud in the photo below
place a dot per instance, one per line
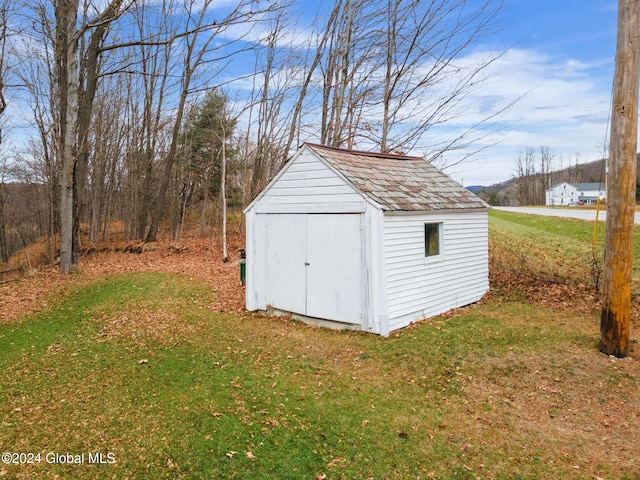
(564, 105)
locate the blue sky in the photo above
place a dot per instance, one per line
(558, 62)
(561, 58)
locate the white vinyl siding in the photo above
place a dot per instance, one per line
(418, 288)
(307, 185)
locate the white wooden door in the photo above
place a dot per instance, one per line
(283, 260)
(334, 267)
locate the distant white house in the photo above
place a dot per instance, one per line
(575, 193)
(364, 241)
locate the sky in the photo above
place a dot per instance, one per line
(556, 69)
(559, 62)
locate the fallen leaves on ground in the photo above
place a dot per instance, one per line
(200, 259)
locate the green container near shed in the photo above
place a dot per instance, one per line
(243, 272)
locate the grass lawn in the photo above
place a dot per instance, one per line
(137, 368)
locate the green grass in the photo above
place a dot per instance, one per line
(554, 248)
(138, 367)
(579, 231)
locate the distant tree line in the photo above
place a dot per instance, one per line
(538, 169)
(533, 175)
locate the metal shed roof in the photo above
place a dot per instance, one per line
(399, 182)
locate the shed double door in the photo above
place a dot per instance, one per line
(314, 265)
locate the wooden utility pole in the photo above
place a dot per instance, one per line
(618, 255)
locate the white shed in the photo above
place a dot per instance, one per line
(365, 241)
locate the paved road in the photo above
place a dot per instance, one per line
(563, 212)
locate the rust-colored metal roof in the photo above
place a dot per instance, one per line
(398, 182)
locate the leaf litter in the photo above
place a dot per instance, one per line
(200, 259)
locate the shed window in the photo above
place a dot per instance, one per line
(431, 239)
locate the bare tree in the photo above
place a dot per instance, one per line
(193, 57)
(425, 79)
(197, 51)
(75, 101)
(4, 254)
(223, 195)
(321, 44)
(546, 167)
(148, 92)
(88, 82)
(4, 248)
(3, 44)
(105, 148)
(526, 176)
(111, 83)
(533, 175)
(40, 154)
(380, 73)
(271, 128)
(393, 69)
(347, 73)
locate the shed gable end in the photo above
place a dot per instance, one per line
(306, 185)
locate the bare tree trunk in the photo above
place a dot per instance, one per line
(155, 65)
(3, 42)
(264, 140)
(223, 194)
(271, 130)
(68, 84)
(193, 59)
(205, 204)
(171, 155)
(177, 227)
(108, 137)
(546, 157)
(109, 200)
(38, 75)
(72, 111)
(392, 14)
(4, 252)
(526, 177)
(85, 109)
(618, 257)
(344, 78)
